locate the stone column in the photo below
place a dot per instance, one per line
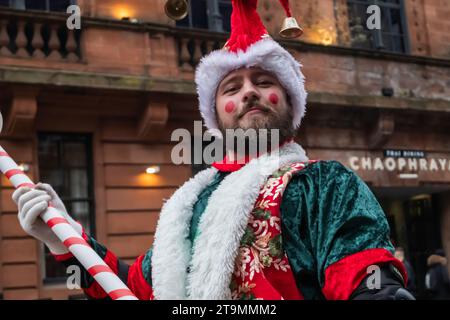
(214, 17)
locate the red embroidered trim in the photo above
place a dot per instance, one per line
(262, 270)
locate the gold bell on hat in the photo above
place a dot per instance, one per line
(290, 29)
(176, 9)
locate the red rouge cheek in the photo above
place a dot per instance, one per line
(273, 98)
(230, 107)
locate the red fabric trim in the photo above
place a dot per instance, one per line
(227, 167)
(345, 275)
(136, 281)
(231, 166)
(284, 283)
(62, 257)
(95, 291)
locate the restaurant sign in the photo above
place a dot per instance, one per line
(395, 163)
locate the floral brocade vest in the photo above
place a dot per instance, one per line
(262, 269)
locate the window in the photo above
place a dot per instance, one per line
(393, 34)
(65, 162)
(44, 5)
(213, 15)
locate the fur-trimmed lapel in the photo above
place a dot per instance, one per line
(221, 228)
(171, 245)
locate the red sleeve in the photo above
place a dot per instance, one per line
(345, 275)
(62, 257)
(95, 291)
(136, 281)
(91, 287)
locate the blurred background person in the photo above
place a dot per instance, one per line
(437, 279)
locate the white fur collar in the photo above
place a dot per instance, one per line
(221, 228)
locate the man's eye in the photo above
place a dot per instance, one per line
(264, 83)
(231, 89)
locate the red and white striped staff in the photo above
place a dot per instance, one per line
(95, 265)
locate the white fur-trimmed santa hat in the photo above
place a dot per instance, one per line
(249, 45)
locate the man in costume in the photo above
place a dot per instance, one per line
(277, 226)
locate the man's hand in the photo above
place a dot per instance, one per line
(33, 202)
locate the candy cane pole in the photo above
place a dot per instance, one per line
(97, 268)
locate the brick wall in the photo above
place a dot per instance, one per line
(324, 21)
(133, 198)
(20, 264)
(437, 13)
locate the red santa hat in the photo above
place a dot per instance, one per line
(249, 45)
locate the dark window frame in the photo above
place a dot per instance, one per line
(21, 5)
(87, 140)
(376, 36)
(215, 20)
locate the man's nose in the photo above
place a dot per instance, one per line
(250, 92)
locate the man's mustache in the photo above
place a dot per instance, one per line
(251, 105)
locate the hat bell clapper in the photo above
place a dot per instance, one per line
(176, 9)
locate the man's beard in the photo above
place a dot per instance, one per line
(265, 129)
